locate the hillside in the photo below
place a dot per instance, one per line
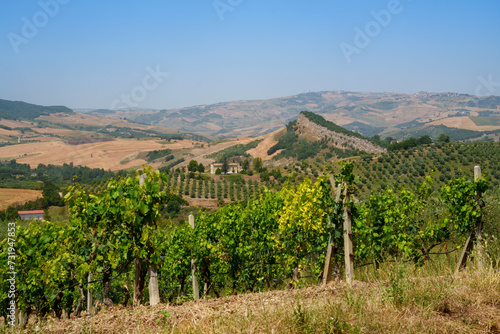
(310, 135)
(56, 135)
(318, 128)
(369, 113)
(17, 110)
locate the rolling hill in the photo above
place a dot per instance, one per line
(369, 113)
(56, 135)
(18, 110)
(310, 136)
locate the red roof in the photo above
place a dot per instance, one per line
(30, 212)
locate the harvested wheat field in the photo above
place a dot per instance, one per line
(17, 196)
(463, 123)
(268, 141)
(114, 155)
(468, 303)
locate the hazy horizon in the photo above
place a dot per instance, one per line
(94, 55)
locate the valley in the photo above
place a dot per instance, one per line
(278, 206)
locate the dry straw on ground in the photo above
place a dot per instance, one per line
(467, 303)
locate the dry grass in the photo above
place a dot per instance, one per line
(267, 142)
(463, 123)
(107, 155)
(13, 196)
(467, 303)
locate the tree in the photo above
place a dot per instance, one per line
(225, 167)
(443, 138)
(217, 171)
(51, 195)
(245, 165)
(257, 164)
(11, 214)
(193, 166)
(201, 168)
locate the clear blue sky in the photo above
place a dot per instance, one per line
(89, 53)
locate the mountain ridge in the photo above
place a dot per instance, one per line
(371, 113)
(19, 110)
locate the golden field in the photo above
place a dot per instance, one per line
(112, 155)
(13, 196)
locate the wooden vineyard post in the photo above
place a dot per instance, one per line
(196, 290)
(463, 257)
(348, 249)
(153, 287)
(479, 228)
(476, 234)
(327, 270)
(154, 291)
(89, 295)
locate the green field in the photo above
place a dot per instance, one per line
(486, 121)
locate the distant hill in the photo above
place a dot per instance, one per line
(30, 121)
(17, 110)
(310, 135)
(366, 113)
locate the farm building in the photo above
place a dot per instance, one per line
(35, 214)
(232, 168)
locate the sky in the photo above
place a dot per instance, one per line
(170, 54)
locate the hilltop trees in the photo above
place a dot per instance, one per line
(257, 165)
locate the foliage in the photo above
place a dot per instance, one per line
(117, 224)
(51, 195)
(318, 119)
(172, 164)
(225, 167)
(157, 154)
(287, 141)
(434, 131)
(18, 110)
(235, 150)
(193, 166)
(257, 164)
(400, 225)
(410, 143)
(463, 197)
(44, 264)
(301, 149)
(18, 175)
(443, 138)
(248, 246)
(305, 220)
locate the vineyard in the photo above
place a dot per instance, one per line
(374, 172)
(115, 247)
